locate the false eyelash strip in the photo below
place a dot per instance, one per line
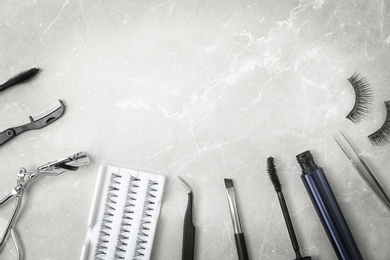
(363, 97)
(108, 215)
(147, 214)
(382, 135)
(124, 213)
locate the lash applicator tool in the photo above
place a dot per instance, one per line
(38, 123)
(278, 188)
(188, 227)
(238, 234)
(365, 172)
(55, 168)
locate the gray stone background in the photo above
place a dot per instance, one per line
(202, 90)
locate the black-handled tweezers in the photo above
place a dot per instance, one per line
(188, 227)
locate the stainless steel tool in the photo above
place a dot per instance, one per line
(55, 168)
(365, 171)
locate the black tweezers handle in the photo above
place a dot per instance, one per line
(188, 232)
(241, 246)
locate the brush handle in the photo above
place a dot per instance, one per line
(241, 246)
(289, 224)
(330, 215)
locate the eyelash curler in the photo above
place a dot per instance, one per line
(55, 168)
(35, 123)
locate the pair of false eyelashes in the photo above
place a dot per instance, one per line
(363, 101)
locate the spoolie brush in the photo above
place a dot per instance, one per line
(278, 188)
(20, 78)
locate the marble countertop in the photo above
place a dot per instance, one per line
(204, 90)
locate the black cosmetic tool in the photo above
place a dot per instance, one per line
(278, 188)
(238, 234)
(20, 78)
(36, 123)
(188, 227)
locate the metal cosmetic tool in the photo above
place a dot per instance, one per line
(55, 168)
(365, 172)
(188, 227)
(35, 123)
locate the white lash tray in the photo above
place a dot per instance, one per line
(125, 209)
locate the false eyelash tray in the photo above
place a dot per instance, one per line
(125, 209)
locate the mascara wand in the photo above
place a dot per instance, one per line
(20, 78)
(278, 188)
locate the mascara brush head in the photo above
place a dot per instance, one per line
(20, 78)
(273, 176)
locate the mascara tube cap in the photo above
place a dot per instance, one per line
(306, 162)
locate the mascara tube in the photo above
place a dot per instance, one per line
(327, 209)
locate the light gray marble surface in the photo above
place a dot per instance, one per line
(202, 90)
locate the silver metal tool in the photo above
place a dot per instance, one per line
(71, 163)
(365, 172)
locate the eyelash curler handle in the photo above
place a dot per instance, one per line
(327, 209)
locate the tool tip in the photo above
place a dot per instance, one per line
(228, 183)
(188, 187)
(273, 176)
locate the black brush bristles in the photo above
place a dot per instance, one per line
(363, 97)
(273, 176)
(20, 78)
(228, 183)
(382, 135)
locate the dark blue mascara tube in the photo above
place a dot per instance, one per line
(327, 209)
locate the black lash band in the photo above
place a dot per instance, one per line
(109, 210)
(382, 135)
(363, 97)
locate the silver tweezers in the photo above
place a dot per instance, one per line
(365, 172)
(71, 163)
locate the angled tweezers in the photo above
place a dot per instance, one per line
(188, 227)
(365, 172)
